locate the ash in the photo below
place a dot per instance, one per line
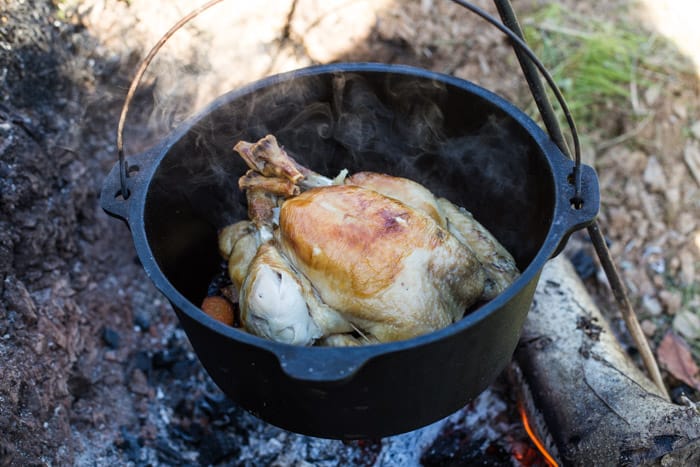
(184, 419)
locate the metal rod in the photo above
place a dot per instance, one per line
(505, 10)
(534, 82)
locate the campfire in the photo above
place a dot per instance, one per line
(569, 396)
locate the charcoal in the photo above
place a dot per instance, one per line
(183, 369)
(164, 359)
(679, 392)
(219, 281)
(78, 385)
(111, 338)
(142, 321)
(167, 454)
(217, 447)
(184, 408)
(7, 453)
(130, 445)
(458, 449)
(217, 404)
(191, 434)
(143, 361)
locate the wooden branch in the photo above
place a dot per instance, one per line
(598, 407)
(628, 314)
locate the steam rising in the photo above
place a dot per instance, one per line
(455, 143)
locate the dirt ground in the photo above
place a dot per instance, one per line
(86, 342)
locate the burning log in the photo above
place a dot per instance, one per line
(598, 407)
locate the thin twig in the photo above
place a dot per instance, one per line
(626, 309)
(560, 30)
(288, 23)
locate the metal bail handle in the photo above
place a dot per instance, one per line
(513, 36)
(123, 167)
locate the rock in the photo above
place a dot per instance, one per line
(648, 327)
(216, 447)
(652, 93)
(672, 301)
(167, 454)
(687, 274)
(138, 384)
(695, 130)
(633, 162)
(111, 338)
(686, 223)
(654, 175)
(673, 202)
(651, 305)
(130, 445)
(687, 323)
(680, 110)
(691, 155)
(142, 321)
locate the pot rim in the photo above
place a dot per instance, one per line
(556, 232)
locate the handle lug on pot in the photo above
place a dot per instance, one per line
(330, 365)
(570, 216)
(112, 200)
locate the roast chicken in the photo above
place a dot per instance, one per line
(365, 258)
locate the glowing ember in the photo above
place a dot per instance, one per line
(535, 440)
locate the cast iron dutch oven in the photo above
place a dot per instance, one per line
(458, 139)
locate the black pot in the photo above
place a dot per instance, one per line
(458, 139)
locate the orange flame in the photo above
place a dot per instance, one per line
(540, 447)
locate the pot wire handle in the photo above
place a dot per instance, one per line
(123, 165)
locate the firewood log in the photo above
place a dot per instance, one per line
(597, 406)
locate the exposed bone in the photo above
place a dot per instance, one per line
(268, 158)
(275, 185)
(600, 409)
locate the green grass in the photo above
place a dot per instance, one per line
(596, 63)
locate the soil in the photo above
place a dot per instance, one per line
(94, 368)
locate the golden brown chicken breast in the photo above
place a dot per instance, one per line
(386, 267)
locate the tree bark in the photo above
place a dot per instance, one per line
(598, 407)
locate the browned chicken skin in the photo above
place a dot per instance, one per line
(373, 256)
(387, 268)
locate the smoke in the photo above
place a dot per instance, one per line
(454, 142)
